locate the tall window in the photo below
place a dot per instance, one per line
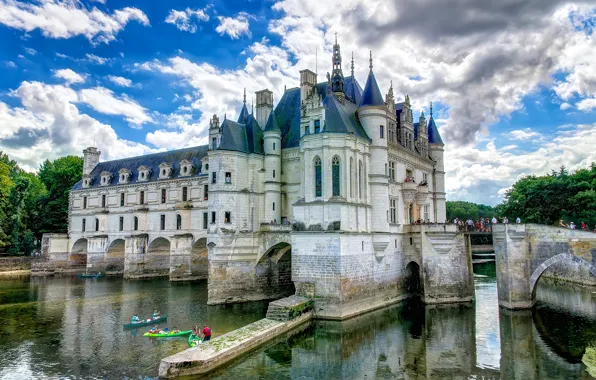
(307, 129)
(206, 192)
(317, 126)
(318, 178)
(212, 217)
(136, 223)
(142, 198)
(184, 194)
(162, 222)
(205, 219)
(163, 195)
(84, 202)
(178, 222)
(426, 212)
(382, 132)
(360, 179)
(273, 146)
(335, 175)
(214, 143)
(228, 177)
(121, 199)
(228, 217)
(96, 224)
(351, 176)
(121, 224)
(213, 177)
(392, 170)
(83, 226)
(103, 200)
(393, 210)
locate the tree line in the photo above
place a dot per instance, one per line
(32, 204)
(547, 199)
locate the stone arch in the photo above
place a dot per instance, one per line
(199, 267)
(274, 271)
(157, 261)
(413, 279)
(560, 258)
(115, 256)
(78, 254)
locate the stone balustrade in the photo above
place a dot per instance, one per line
(266, 227)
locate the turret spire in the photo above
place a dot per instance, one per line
(337, 76)
(352, 66)
(371, 65)
(244, 96)
(431, 109)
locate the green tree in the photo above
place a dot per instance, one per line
(58, 176)
(464, 210)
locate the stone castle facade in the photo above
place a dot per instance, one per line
(318, 196)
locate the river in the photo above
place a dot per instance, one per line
(72, 328)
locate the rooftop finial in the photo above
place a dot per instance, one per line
(391, 87)
(336, 38)
(431, 109)
(244, 95)
(352, 67)
(371, 61)
(252, 105)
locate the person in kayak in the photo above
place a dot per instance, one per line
(135, 319)
(206, 333)
(155, 314)
(154, 330)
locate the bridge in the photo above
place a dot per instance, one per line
(525, 251)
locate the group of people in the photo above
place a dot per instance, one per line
(204, 334)
(573, 226)
(481, 224)
(135, 318)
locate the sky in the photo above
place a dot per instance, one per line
(513, 83)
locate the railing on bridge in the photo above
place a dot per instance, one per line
(267, 227)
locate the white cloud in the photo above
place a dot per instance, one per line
(69, 76)
(234, 27)
(10, 64)
(68, 18)
(120, 81)
(565, 106)
(526, 134)
(184, 19)
(92, 58)
(30, 51)
(103, 100)
(586, 104)
(49, 125)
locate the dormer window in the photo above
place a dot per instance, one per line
(124, 176)
(87, 181)
(165, 171)
(106, 178)
(185, 168)
(144, 173)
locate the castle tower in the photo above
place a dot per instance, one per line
(213, 132)
(272, 148)
(90, 159)
(264, 106)
(372, 113)
(436, 152)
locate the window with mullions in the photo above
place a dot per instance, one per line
(317, 126)
(335, 175)
(318, 178)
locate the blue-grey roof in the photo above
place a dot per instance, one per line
(247, 138)
(172, 157)
(340, 117)
(433, 133)
(353, 90)
(243, 114)
(272, 125)
(371, 96)
(287, 111)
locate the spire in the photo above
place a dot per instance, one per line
(244, 96)
(370, 61)
(272, 125)
(433, 132)
(244, 111)
(371, 96)
(337, 76)
(352, 66)
(431, 109)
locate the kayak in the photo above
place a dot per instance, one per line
(84, 275)
(168, 334)
(194, 340)
(145, 322)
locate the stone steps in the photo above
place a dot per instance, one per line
(288, 308)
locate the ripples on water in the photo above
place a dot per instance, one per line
(72, 328)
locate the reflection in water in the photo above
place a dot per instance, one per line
(66, 327)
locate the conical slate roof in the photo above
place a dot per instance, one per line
(272, 125)
(433, 133)
(243, 114)
(371, 96)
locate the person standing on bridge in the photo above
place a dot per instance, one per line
(518, 220)
(494, 221)
(572, 226)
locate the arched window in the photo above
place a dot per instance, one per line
(335, 175)
(318, 178)
(178, 222)
(136, 223)
(360, 179)
(351, 176)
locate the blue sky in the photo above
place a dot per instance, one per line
(513, 95)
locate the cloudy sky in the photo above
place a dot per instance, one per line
(513, 82)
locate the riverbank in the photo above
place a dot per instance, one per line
(15, 265)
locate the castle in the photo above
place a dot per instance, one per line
(318, 196)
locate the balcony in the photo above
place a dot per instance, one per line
(422, 194)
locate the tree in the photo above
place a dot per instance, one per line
(58, 176)
(468, 210)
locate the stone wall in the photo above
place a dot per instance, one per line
(9, 264)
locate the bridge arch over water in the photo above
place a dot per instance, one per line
(524, 252)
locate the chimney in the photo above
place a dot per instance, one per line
(90, 159)
(213, 132)
(308, 81)
(264, 106)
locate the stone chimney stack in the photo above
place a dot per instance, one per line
(90, 159)
(264, 106)
(308, 81)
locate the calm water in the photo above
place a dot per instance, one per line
(70, 328)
